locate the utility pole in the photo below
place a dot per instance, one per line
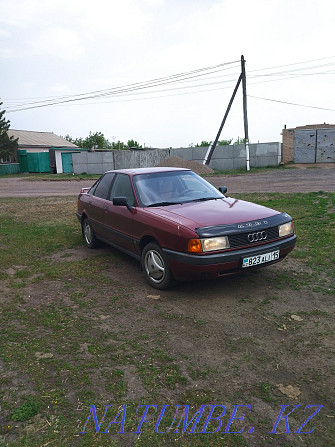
(245, 115)
(212, 146)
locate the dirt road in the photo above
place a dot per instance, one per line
(302, 179)
(288, 180)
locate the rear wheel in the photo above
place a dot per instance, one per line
(89, 236)
(156, 268)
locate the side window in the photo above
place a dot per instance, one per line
(91, 191)
(122, 188)
(102, 188)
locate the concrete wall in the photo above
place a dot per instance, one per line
(224, 157)
(234, 157)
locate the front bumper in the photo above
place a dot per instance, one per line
(185, 265)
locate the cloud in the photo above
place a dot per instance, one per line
(64, 28)
(4, 33)
(57, 42)
(119, 20)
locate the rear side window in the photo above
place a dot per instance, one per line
(103, 187)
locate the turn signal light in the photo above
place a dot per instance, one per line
(194, 246)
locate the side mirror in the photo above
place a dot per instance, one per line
(223, 189)
(121, 201)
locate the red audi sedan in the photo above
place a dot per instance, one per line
(179, 226)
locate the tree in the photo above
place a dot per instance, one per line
(118, 145)
(240, 141)
(8, 145)
(207, 143)
(68, 137)
(225, 142)
(95, 140)
(133, 143)
(203, 144)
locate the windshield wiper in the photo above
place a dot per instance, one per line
(203, 199)
(164, 203)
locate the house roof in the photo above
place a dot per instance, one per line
(30, 138)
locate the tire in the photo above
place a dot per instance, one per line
(156, 267)
(90, 238)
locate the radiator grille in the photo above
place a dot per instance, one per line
(241, 239)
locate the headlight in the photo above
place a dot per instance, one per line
(215, 243)
(211, 244)
(286, 229)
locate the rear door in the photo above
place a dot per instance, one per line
(99, 205)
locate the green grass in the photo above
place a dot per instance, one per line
(73, 333)
(26, 410)
(30, 176)
(314, 219)
(252, 170)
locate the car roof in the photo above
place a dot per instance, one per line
(136, 171)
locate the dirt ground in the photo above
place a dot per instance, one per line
(252, 340)
(302, 178)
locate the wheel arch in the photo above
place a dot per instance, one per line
(145, 241)
(83, 217)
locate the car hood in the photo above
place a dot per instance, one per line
(213, 212)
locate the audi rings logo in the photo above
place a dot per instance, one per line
(259, 236)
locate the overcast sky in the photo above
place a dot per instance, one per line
(57, 50)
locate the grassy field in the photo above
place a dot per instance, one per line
(80, 327)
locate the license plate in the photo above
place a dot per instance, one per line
(260, 259)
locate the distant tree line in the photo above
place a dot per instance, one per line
(97, 140)
(220, 143)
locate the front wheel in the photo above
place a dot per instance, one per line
(156, 268)
(89, 236)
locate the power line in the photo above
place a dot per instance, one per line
(285, 72)
(125, 96)
(291, 103)
(128, 93)
(116, 92)
(130, 87)
(294, 63)
(143, 88)
(202, 69)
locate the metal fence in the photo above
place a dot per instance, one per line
(9, 168)
(314, 146)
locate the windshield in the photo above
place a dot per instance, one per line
(169, 188)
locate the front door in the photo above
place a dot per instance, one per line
(67, 163)
(119, 219)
